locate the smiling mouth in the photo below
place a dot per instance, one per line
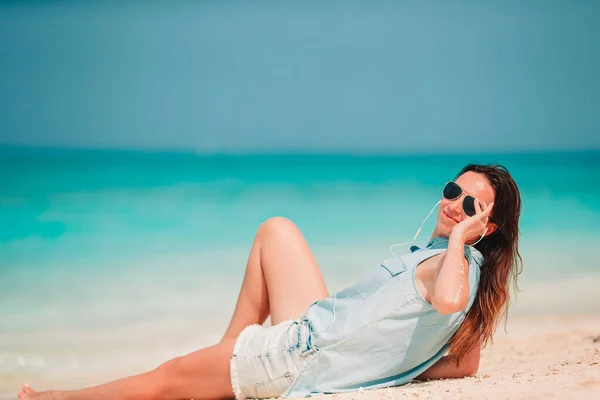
(453, 219)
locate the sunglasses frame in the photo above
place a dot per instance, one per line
(462, 192)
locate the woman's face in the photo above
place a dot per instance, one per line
(451, 211)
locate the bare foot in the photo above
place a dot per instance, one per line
(28, 393)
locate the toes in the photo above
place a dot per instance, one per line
(28, 390)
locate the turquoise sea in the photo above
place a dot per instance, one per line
(114, 261)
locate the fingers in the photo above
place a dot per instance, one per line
(483, 210)
(478, 208)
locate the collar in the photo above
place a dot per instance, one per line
(437, 242)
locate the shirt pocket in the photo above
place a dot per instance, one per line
(394, 266)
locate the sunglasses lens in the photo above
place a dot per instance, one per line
(452, 190)
(469, 205)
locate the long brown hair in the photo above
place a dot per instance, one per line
(502, 263)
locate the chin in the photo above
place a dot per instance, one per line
(443, 230)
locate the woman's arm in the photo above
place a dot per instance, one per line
(446, 368)
(451, 290)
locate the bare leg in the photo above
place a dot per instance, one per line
(282, 278)
(203, 374)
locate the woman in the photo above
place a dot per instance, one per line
(393, 326)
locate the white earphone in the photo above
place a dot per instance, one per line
(421, 227)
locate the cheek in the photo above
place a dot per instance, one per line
(441, 219)
(444, 204)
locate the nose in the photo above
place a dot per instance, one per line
(456, 206)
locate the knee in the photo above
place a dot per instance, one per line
(278, 224)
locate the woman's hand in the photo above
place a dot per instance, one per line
(471, 228)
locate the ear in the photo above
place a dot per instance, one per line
(491, 228)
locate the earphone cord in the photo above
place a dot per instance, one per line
(421, 227)
(416, 234)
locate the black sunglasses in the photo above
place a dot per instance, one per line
(452, 192)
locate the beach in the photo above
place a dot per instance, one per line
(144, 144)
(109, 270)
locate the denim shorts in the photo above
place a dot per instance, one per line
(267, 360)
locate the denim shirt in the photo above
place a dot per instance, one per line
(379, 332)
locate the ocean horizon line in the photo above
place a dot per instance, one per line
(274, 152)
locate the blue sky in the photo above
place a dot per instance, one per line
(378, 76)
